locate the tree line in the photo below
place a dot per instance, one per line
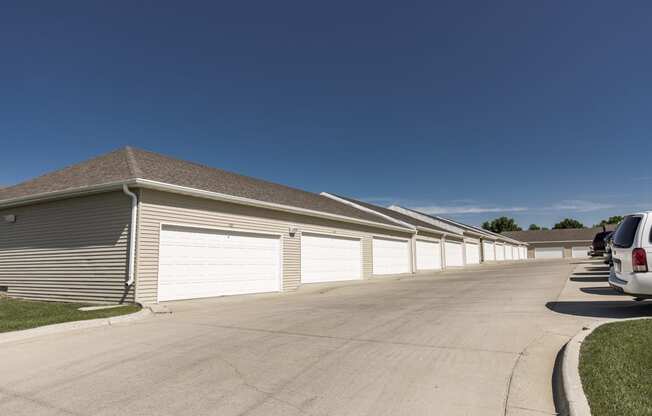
(498, 225)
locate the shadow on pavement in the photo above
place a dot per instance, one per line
(587, 279)
(603, 309)
(601, 290)
(604, 273)
(598, 269)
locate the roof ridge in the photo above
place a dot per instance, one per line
(132, 162)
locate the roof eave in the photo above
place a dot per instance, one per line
(166, 187)
(67, 193)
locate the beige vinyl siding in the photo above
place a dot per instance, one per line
(158, 208)
(67, 250)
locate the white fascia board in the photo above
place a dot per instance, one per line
(166, 187)
(48, 196)
(503, 238)
(431, 230)
(368, 210)
(560, 241)
(475, 230)
(449, 228)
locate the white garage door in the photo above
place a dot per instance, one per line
(579, 252)
(517, 252)
(489, 251)
(454, 254)
(500, 252)
(199, 263)
(472, 253)
(329, 259)
(523, 253)
(548, 253)
(391, 256)
(509, 255)
(428, 255)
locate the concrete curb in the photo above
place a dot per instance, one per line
(574, 396)
(576, 401)
(71, 326)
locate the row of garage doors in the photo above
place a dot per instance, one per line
(195, 263)
(558, 252)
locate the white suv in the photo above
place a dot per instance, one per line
(632, 245)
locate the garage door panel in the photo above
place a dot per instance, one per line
(472, 253)
(428, 255)
(454, 254)
(390, 256)
(500, 252)
(195, 263)
(489, 251)
(330, 259)
(579, 252)
(548, 252)
(509, 255)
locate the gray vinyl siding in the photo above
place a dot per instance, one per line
(67, 250)
(158, 208)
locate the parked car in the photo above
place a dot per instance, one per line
(632, 245)
(608, 247)
(597, 248)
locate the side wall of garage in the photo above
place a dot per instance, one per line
(157, 208)
(67, 250)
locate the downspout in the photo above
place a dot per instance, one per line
(132, 234)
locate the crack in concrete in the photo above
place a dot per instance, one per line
(369, 340)
(15, 395)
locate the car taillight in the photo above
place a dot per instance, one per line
(639, 260)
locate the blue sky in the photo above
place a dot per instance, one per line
(538, 111)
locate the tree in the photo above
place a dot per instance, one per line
(501, 224)
(568, 223)
(533, 227)
(611, 220)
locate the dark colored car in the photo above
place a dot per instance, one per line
(598, 247)
(608, 240)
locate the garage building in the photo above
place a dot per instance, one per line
(178, 230)
(137, 226)
(479, 245)
(557, 244)
(434, 246)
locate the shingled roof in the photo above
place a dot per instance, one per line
(129, 163)
(567, 234)
(393, 214)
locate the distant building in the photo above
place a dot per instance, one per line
(553, 244)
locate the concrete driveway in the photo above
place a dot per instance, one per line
(473, 342)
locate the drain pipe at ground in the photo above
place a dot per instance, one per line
(132, 234)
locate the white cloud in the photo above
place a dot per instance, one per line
(580, 206)
(467, 209)
(475, 207)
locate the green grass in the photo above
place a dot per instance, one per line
(17, 314)
(616, 369)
